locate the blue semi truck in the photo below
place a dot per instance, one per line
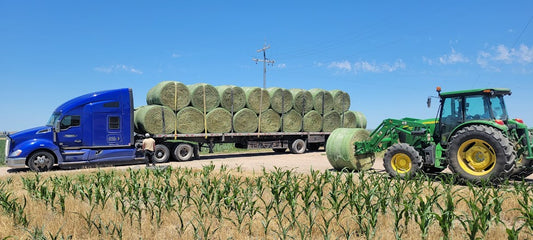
(98, 127)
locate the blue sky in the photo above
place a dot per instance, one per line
(388, 55)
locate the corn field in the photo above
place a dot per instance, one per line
(222, 203)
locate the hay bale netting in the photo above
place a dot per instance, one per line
(172, 94)
(281, 99)
(201, 91)
(232, 96)
(303, 100)
(360, 119)
(154, 119)
(312, 122)
(341, 101)
(292, 121)
(254, 100)
(245, 121)
(218, 120)
(349, 120)
(341, 152)
(190, 120)
(331, 121)
(322, 100)
(270, 121)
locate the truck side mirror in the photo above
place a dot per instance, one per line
(57, 126)
(429, 102)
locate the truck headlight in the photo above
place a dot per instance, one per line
(16, 153)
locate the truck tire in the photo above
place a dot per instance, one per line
(41, 161)
(481, 153)
(298, 146)
(402, 160)
(161, 153)
(183, 152)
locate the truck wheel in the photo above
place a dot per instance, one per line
(161, 153)
(298, 146)
(479, 152)
(41, 161)
(402, 160)
(183, 152)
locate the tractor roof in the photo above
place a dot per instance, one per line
(492, 91)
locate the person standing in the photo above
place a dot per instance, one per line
(149, 148)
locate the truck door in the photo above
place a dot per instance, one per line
(70, 134)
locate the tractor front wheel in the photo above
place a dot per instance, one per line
(402, 160)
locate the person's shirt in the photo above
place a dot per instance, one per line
(149, 144)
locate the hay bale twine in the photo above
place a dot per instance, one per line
(292, 121)
(218, 120)
(312, 122)
(201, 91)
(341, 152)
(172, 94)
(303, 100)
(254, 100)
(360, 120)
(322, 100)
(349, 120)
(341, 101)
(331, 121)
(190, 120)
(154, 119)
(232, 96)
(281, 99)
(245, 121)
(270, 121)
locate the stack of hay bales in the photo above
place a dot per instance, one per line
(175, 108)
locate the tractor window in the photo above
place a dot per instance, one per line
(451, 116)
(498, 107)
(476, 107)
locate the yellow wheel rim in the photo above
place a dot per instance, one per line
(476, 157)
(401, 163)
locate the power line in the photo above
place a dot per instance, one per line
(265, 61)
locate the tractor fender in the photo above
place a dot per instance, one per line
(502, 128)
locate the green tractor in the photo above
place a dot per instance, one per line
(472, 136)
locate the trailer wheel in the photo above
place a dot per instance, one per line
(402, 160)
(41, 161)
(298, 146)
(183, 152)
(161, 153)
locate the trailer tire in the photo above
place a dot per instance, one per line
(161, 153)
(183, 152)
(402, 160)
(298, 146)
(41, 161)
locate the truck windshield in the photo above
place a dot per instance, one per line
(53, 119)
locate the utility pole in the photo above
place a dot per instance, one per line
(265, 60)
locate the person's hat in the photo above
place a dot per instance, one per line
(147, 135)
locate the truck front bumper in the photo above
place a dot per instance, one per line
(16, 162)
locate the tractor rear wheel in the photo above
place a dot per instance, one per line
(478, 153)
(402, 160)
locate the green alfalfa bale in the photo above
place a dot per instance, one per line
(154, 119)
(361, 120)
(232, 97)
(245, 121)
(257, 99)
(303, 100)
(201, 91)
(331, 121)
(322, 100)
(341, 101)
(172, 94)
(312, 122)
(349, 120)
(291, 121)
(281, 100)
(218, 120)
(190, 120)
(340, 150)
(270, 121)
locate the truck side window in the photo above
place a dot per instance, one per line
(70, 121)
(114, 123)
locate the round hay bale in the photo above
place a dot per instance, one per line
(341, 101)
(292, 121)
(201, 91)
(218, 121)
(312, 122)
(322, 100)
(270, 121)
(154, 119)
(190, 120)
(360, 119)
(172, 94)
(303, 100)
(245, 121)
(349, 120)
(254, 100)
(232, 96)
(331, 121)
(281, 99)
(341, 152)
